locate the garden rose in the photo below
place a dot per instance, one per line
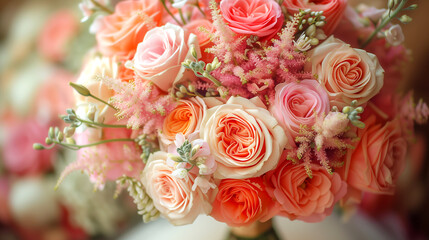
(185, 118)
(301, 197)
(262, 18)
(346, 73)
(120, 32)
(332, 9)
(241, 202)
(245, 140)
(173, 196)
(298, 103)
(159, 57)
(379, 157)
(96, 69)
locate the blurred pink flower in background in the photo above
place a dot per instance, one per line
(56, 34)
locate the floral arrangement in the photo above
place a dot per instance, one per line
(242, 109)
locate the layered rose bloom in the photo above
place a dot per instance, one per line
(262, 18)
(185, 118)
(120, 32)
(346, 73)
(379, 157)
(332, 9)
(298, 103)
(159, 57)
(241, 202)
(173, 196)
(245, 140)
(95, 70)
(300, 197)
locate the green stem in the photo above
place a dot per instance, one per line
(168, 11)
(101, 100)
(77, 147)
(102, 124)
(199, 8)
(182, 17)
(102, 7)
(384, 23)
(211, 78)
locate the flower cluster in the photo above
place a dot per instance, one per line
(240, 109)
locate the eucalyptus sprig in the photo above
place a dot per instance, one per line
(395, 7)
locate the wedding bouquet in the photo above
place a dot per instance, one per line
(242, 109)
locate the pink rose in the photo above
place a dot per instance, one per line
(56, 35)
(120, 32)
(245, 140)
(346, 73)
(298, 103)
(262, 18)
(241, 202)
(379, 157)
(18, 153)
(159, 57)
(332, 9)
(173, 196)
(301, 197)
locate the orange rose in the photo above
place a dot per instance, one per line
(125, 28)
(185, 118)
(301, 197)
(379, 157)
(241, 202)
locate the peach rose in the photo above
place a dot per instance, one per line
(346, 73)
(241, 202)
(262, 18)
(298, 103)
(301, 197)
(202, 28)
(120, 32)
(379, 157)
(173, 196)
(185, 118)
(332, 9)
(159, 57)
(245, 140)
(96, 69)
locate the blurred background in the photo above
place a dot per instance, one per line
(42, 45)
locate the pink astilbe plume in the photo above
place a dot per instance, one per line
(325, 143)
(411, 112)
(106, 161)
(251, 68)
(141, 103)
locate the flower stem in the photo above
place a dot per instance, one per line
(384, 23)
(101, 100)
(182, 17)
(102, 7)
(102, 124)
(199, 8)
(77, 147)
(169, 12)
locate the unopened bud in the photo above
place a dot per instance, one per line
(38, 146)
(68, 132)
(60, 136)
(194, 52)
(82, 90)
(405, 19)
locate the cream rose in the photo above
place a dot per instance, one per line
(159, 57)
(172, 196)
(346, 73)
(91, 77)
(244, 138)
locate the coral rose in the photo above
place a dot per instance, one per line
(185, 118)
(241, 202)
(173, 196)
(332, 9)
(298, 103)
(245, 140)
(346, 73)
(262, 18)
(379, 157)
(159, 57)
(120, 32)
(301, 197)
